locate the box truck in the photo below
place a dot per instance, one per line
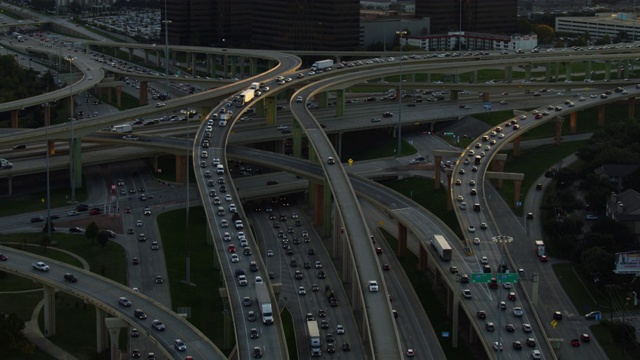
(123, 128)
(264, 302)
(322, 65)
(314, 338)
(442, 247)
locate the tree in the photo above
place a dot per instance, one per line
(92, 231)
(12, 334)
(545, 33)
(103, 238)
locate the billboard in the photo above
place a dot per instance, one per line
(628, 262)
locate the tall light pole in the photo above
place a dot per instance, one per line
(47, 120)
(399, 153)
(503, 240)
(166, 48)
(187, 277)
(460, 29)
(72, 142)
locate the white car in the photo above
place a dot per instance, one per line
(224, 223)
(227, 197)
(476, 241)
(179, 345)
(535, 354)
(466, 293)
(507, 285)
(472, 228)
(40, 266)
(269, 252)
(242, 280)
(526, 328)
(139, 223)
(484, 260)
(160, 104)
(373, 286)
(235, 258)
(302, 291)
(517, 312)
(340, 329)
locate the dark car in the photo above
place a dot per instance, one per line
(138, 313)
(481, 315)
(36, 219)
(271, 182)
(346, 347)
(321, 274)
(557, 315)
(517, 345)
(69, 277)
(75, 229)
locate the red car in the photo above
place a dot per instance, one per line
(231, 248)
(385, 267)
(543, 258)
(95, 212)
(135, 261)
(538, 116)
(575, 342)
(3, 257)
(378, 251)
(127, 210)
(511, 296)
(585, 338)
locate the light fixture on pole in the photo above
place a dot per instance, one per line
(47, 119)
(399, 95)
(503, 240)
(187, 278)
(72, 142)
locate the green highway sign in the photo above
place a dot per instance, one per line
(509, 277)
(481, 278)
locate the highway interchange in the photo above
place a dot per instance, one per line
(360, 232)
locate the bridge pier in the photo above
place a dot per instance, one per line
(327, 206)
(498, 166)
(573, 122)
(259, 106)
(102, 336)
(588, 69)
(340, 93)
(517, 186)
(144, 92)
(567, 70)
(516, 146)
(558, 121)
(234, 70)
(181, 168)
(423, 258)
(601, 109)
(508, 73)
(253, 66)
(158, 62)
(49, 310)
(607, 70)
(114, 325)
(547, 73)
(323, 101)
(449, 201)
(437, 162)
(455, 321)
(75, 160)
(631, 107)
(527, 72)
(130, 53)
(318, 203)
(270, 110)
(402, 240)
(297, 140)
(51, 145)
(14, 119)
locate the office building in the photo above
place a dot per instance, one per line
(305, 25)
(486, 16)
(601, 25)
(266, 24)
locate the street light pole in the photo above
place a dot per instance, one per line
(166, 48)
(72, 147)
(399, 153)
(187, 277)
(502, 240)
(47, 119)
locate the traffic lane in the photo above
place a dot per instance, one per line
(90, 286)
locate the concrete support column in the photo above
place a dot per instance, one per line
(181, 165)
(437, 162)
(234, 70)
(626, 68)
(557, 76)
(10, 184)
(547, 72)
(259, 106)
(423, 258)
(631, 107)
(453, 94)
(75, 154)
(146, 57)
(449, 203)
(326, 223)
(297, 140)
(210, 65)
(225, 66)
(607, 70)
(102, 336)
(527, 72)
(115, 325)
(158, 62)
(498, 166)
(193, 59)
(588, 69)
(340, 94)
(144, 92)
(49, 310)
(573, 122)
(14, 119)
(517, 187)
(516, 146)
(270, 110)
(173, 58)
(567, 70)
(402, 240)
(474, 76)
(559, 120)
(318, 204)
(130, 52)
(486, 96)
(601, 115)
(508, 73)
(455, 321)
(253, 66)
(323, 102)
